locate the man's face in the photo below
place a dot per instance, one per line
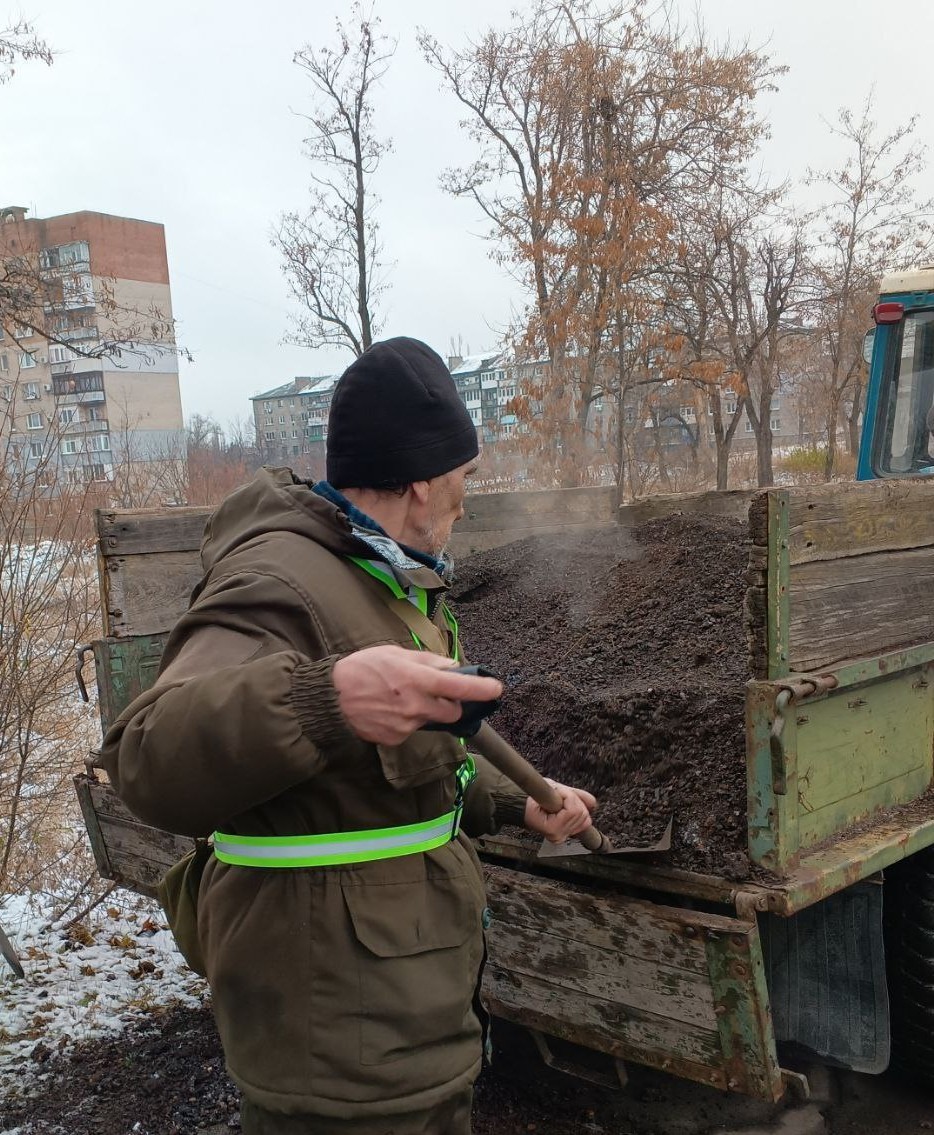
(446, 505)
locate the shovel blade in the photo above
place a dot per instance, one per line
(573, 847)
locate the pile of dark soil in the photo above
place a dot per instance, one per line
(624, 656)
(165, 1076)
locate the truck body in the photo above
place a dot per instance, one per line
(699, 975)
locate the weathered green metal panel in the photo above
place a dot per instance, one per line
(837, 756)
(777, 585)
(125, 668)
(863, 748)
(737, 977)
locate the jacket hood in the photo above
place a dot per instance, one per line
(278, 501)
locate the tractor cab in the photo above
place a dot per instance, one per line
(898, 424)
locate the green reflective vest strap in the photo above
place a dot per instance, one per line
(343, 848)
(466, 775)
(339, 848)
(417, 596)
(454, 629)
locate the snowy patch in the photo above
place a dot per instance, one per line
(83, 981)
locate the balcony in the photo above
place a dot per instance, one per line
(73, 334)
(76, 399)
(96, 425)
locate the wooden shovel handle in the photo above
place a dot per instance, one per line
(510, 763)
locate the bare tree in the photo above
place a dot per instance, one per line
(20, 44)
(734, 305)
(48, 607)
(871, 222)
(332, 252)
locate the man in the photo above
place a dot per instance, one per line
(340, 915)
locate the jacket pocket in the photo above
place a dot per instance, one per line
(419, 952)
(422, 758)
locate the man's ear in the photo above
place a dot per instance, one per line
(420, 490)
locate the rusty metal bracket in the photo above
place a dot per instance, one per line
(750, 903)
(80, 654)
(790, 693)
(797, 1085)
(616, 1080)
(92, 764)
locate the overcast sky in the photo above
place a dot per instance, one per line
(185, 113)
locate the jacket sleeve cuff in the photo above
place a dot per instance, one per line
(509, 808)
(316, 705)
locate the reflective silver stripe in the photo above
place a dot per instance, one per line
(271, 848)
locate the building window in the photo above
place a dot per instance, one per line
(75, 253)
(283, 434)
(67, 416)
(95, 472)
(294, 433)
(71, 445)
(4, 364)
(60, 354)
(776, 402)
(77, 383)
(26, 361)
(267, 406)
(730, 408)
(35, 449)
(749, 429)
(6, 393)
(270, 435)
(33, 421)
(99, 443)
(775, 425)
(282, 419)
(31, 391)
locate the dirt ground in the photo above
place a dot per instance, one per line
(166, 1077)
(625, 660)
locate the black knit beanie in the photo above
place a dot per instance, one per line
(396, 418)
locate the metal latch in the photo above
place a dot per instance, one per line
(80, 654)
(788, 694)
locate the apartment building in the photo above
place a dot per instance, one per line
(89, 375)
(291, 422)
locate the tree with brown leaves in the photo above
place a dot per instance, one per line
(594, 128)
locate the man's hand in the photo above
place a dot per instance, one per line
(387, 692)
(574, 817)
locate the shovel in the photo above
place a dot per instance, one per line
(510, 763)
(486, 741)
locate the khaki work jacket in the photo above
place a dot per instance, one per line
(344, 990)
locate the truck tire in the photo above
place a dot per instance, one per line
(909, 942)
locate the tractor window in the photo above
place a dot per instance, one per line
(907, 443)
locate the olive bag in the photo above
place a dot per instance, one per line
(178, 893)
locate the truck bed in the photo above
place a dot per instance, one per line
(651, 963)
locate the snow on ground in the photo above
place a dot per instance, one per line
(82, 981)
